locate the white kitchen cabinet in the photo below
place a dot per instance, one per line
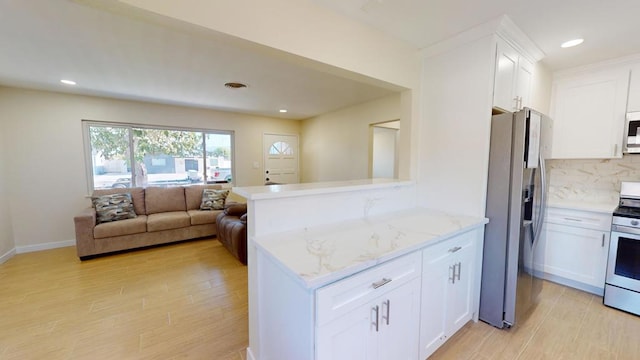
(513, 75)
(575, 246)
(588, 111)
(384, 328)
(372, 315)
(634, 89)
(447, 291)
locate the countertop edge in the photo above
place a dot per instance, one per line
(605, 208)
(294, 190)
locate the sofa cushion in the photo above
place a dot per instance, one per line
(213, 199)
(113, 207)
(193, 194)
(122, 227)
(168, 220)
(137, 196)
(159, 200)
(201, 217)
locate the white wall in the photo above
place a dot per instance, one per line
(44, 159)
(335, 146)
(6, 233)
(455, 132)
(541, 88)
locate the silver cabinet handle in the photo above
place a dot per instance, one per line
(602, 239)
(573, 219)
(459, 269)
(454, 249)
(376, 309)
(452, 271)
(379, 283)
(387, 304)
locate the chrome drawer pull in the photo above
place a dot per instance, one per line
(573, 219)
(382, 282)
(454, 249)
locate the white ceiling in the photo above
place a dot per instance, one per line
(609, 27)
(116, 51)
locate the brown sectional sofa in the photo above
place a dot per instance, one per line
(164, 215)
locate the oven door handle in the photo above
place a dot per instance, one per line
(625, 229)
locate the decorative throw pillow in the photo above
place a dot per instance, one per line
(213, 199)
(113, 207)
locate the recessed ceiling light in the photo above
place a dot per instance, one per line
(571, 43)
(68, 82)
(283, 110)
(235, 85)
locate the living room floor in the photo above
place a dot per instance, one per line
(185, 300)
(189, 300)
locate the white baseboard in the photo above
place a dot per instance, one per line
(250, 354)
(8, 255)
(45, 246)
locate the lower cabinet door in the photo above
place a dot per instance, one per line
(577, 254)
(460, 290)
(350, 337)
(399, 323)
(384, 329)
(435, 281)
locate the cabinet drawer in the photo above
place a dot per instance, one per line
(577, 218)
(449, 246)
(339, 298)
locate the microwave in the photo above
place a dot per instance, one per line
(632, 133)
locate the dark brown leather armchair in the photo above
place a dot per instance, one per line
(232, 230)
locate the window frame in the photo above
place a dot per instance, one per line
(88, 158)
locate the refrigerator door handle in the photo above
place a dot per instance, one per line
(543, 202)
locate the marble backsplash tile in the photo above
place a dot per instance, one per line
(592, 180)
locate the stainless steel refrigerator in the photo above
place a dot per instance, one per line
(516, 197)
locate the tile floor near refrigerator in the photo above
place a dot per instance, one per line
(566, 324)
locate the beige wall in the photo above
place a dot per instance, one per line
(305, 29)
(298, 31)
(6, 234)
(335, 146)
(46, 168)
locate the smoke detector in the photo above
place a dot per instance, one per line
(235, 85)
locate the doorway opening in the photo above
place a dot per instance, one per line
(383, 153)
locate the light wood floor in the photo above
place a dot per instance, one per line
(189, 301)
(186, 300)
(566, 324)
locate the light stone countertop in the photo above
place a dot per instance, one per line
(600, 207)
(323, 254)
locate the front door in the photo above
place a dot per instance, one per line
(280, 159)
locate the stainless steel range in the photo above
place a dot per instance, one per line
(622, 286)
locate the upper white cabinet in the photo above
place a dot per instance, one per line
(634, 89)
(588, 111)
(512, 86)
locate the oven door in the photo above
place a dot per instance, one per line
(623, 267)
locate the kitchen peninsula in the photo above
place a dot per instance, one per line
(350, 270)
